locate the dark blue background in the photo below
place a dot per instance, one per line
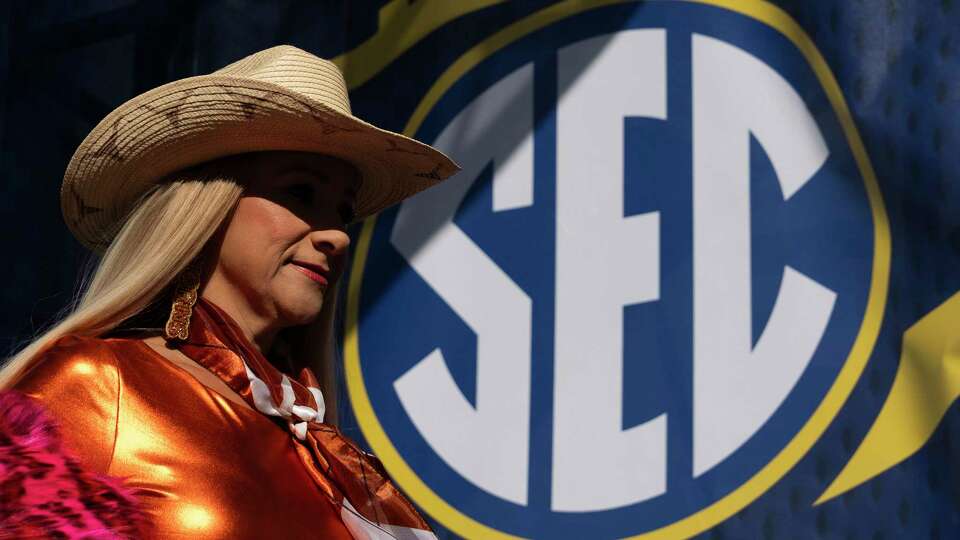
(825, 231)
(64, 66)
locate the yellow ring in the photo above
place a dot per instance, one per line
(856, 361)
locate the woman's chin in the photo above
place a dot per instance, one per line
(301, 310)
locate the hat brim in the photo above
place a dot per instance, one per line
(193, 120)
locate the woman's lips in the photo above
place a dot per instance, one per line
(315, 276)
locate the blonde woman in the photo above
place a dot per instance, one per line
(190, 391)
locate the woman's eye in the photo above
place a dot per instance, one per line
(302, 192)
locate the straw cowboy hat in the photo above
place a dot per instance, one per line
(281, 98)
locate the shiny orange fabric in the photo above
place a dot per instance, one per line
(339, 467)
(204, 466)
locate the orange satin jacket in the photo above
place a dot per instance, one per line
(202, 465)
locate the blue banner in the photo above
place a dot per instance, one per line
(695, 276)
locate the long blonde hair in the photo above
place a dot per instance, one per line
(170, 226)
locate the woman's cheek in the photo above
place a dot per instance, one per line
(280, 224)
(267, 227)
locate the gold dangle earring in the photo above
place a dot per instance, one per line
(184, 297)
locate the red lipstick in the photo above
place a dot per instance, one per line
(315, 272)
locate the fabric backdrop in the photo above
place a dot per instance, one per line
(697, 278)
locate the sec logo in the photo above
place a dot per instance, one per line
(648, 293)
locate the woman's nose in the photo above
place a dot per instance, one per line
(330, 241)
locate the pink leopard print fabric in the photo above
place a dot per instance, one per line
(45, 492)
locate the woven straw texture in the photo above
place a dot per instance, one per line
(282, 98)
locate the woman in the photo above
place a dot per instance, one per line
(219, 204)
